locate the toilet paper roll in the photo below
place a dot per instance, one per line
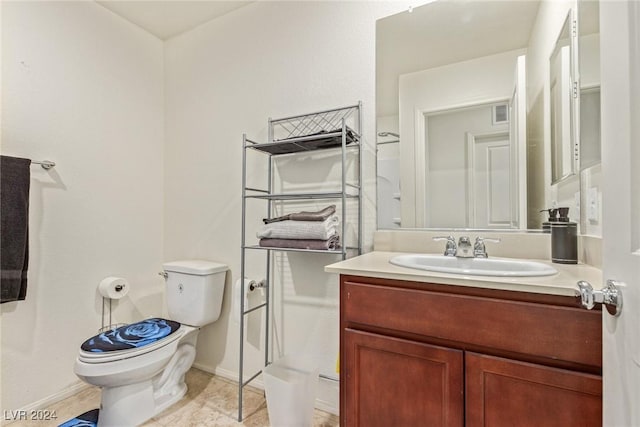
(113, 287)
(237, 292)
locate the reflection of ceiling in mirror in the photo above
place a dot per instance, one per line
(445, 32)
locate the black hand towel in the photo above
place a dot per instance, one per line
(15, 179)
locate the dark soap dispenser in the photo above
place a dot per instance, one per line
(564, 239)
(553, 217)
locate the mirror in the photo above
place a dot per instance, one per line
(589, 71)
(561, 106)
(463, 120)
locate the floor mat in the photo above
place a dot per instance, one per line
(88, 419)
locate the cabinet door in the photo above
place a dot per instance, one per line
(503, 392)
(395, 382)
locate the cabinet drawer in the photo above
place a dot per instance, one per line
(553, 332)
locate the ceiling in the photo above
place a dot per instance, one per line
(165, 19)
(445, 32)
(432, 35)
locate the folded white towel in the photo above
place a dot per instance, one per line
(289, 229)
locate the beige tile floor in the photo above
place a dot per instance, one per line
(210, 401)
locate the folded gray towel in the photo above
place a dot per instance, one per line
(320, 215)
(329, 244)
(15, 180)
(313, 230)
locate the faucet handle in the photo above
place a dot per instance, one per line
(488, 239)
(451, 247)
(479, 249)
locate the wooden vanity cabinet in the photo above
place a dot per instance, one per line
(420, 354)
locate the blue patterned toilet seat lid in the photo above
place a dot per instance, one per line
(135, 335)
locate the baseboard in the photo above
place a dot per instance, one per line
(326, 406)
(52, 399)
(320, 404)
(225, 373)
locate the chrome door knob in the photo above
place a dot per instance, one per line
(610, 296)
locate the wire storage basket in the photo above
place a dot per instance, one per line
(309, 132)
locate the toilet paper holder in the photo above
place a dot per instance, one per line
(255, 284)
(111, 288)
(108, 326)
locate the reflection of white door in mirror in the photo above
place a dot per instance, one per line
(489, 183)
(436, 196)
(454, 154)
(468, 166)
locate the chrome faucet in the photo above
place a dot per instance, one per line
(464, 248)
(479, 249)
(451, 248)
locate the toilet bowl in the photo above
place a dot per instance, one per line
(141, 367)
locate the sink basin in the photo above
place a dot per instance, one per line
(504, 267)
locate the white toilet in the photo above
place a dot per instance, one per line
(141, 367)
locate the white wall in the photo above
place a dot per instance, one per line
(83, 88)
(225, 78)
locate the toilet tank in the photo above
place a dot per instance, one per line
(194, 291)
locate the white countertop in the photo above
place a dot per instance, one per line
(376, 264)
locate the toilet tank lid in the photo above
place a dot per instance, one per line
(195, 266)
